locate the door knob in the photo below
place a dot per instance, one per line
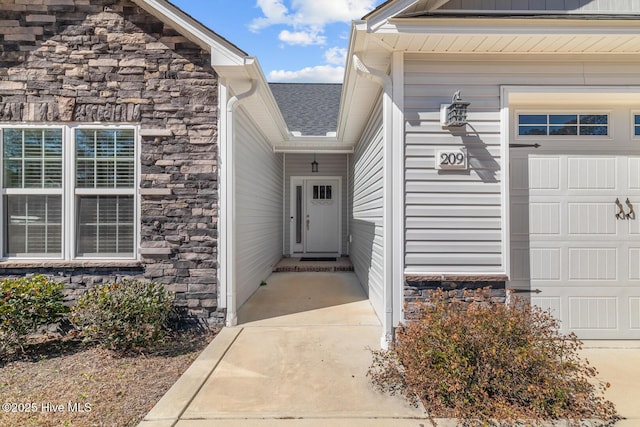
(308, 222)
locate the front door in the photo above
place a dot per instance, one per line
(315, 216)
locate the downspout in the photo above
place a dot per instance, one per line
(387, 245)
(230, 204)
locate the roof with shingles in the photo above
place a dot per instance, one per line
(309, 108)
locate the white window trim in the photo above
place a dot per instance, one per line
(634, 113)
(69, 193)
(569, 138)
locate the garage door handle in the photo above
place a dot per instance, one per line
(620, 214)
(631, 214)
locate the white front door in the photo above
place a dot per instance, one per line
(574, 240)
(315, 216)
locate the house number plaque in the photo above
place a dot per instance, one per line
(452, 159)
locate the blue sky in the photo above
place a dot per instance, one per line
(294, 40)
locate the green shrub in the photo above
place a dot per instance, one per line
(26, 304)
(478, 361)
(123, 316)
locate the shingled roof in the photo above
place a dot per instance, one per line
(309, 108)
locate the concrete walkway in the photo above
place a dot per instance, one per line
(299, 359)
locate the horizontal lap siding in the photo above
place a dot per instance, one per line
(328, 165)
(258, 207)
(574, 6)
(367, 211)
(454, 219)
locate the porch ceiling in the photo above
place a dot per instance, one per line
(523, 36)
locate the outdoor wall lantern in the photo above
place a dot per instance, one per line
(314, 165)
(454, 114)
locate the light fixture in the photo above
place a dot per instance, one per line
(314, 165)
(454, 114)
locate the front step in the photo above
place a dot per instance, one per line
(295, 265)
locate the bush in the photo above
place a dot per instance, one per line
(478, 361)
(124, 315)
(27, 304)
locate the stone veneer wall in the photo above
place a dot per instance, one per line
(418, 289)
(110, 62)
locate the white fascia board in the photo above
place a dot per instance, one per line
(352, 100)
(537, 26)
(222, 51)
(386, 12)
(268, 101)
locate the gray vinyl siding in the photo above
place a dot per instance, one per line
(258, 196)
(367, 169)
(453, 219)
(329, 165)
(570, 6)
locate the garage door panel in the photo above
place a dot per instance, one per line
(634, 173)
(544, 218)
(593, 313)
(592, 173)
(545, 263)
(593, 263)
(551, 304)
(634, 313)
(592, 218)
(544, 173)
(634, 263)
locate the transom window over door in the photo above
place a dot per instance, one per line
(562, 124)
(69, 192)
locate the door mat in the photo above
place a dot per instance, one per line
(318, 259)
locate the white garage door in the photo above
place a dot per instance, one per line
(572, 241)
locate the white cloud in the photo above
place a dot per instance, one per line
(310, 13)
(315, 12)
(304, 38)
(336, 56)
(275, 12)
(318, 74)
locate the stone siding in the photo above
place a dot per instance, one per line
(416, 290)
(110, 62)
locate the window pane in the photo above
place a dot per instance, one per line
(105, 226)
(105, 158)
(594, 130)
(329, 191)
(637, 130)
(563, 130)
(33, 225)
(532, 119)
(532, 130)
(563, 119)
(637, 118)
(594, 119)
(32, 158)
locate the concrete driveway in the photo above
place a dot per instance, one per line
(299, 359)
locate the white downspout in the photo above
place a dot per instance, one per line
(229, 205)
(387, 245)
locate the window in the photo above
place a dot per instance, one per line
(322, 192)
(69, 192)
(563, 124)
(636, 119)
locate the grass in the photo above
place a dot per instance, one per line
(57, 377)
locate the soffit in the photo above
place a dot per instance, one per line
(508, 35)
